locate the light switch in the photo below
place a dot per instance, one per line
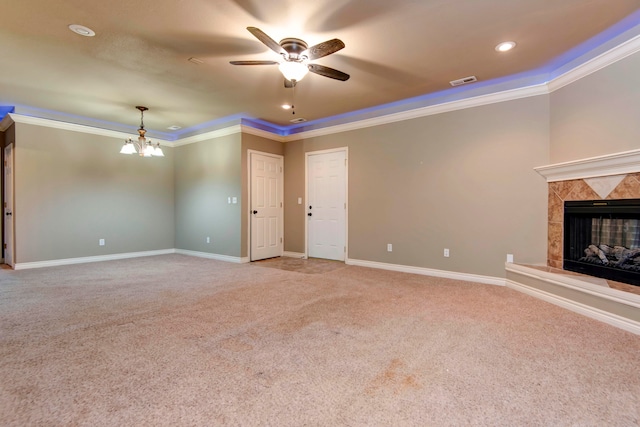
(299, 200)
(234, 200)
(229, 200)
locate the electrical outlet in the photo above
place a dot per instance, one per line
(389, 247)
(510, 258)
(446, 253)
(101, 242)
(208, 239)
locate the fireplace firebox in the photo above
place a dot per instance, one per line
(602, 239)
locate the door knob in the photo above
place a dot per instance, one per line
(309, 207)
(255, 212)
(309, 214)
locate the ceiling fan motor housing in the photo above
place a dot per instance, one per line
(294, 47)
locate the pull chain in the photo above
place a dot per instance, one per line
(293, 100)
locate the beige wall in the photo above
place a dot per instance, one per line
(598, 114)
(295, 218)
(462, 180)
(72, 189)
(207, 173)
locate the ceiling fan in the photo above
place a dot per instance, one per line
(296, 55)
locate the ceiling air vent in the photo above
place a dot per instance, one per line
(463, 81)
(298, 120)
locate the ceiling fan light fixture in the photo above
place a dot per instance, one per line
(293, 71)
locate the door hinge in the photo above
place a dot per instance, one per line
(280, 204)
(280, 169)
(345, 249)
(5, 246)
(281, 240)
(345, 206)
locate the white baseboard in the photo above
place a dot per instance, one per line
(294, 254)
(594, 313)
(82, 260)
(227, 258)
(487, 280)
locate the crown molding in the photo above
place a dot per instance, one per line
(219, 133)
(592, 167)
(55, 124)
(263, 133)
(477, 101)
(601, 61)
(613, 55)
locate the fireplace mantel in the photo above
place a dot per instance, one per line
(610, 164)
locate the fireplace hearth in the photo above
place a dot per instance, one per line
(602, 239)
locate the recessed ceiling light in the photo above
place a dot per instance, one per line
(505, 46)
(174, 127)
(286, 106)
(82, 30)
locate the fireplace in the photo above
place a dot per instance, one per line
(602, 239)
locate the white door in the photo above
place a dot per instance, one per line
(8, 205)
(327, 205)
(266, 206)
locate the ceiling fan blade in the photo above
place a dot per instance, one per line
(268, 41)
(253, 62)
(328, 72)
(323, 49)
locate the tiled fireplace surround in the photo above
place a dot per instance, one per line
(612, 176)
(626, 186)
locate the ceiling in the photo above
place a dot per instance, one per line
(395, 51)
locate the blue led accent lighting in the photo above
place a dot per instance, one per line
(266, 126)
(4, 110)
(591, 48)
(514, 81)
(622, 31)
(598, 44)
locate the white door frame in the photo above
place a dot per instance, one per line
(346, 197)
(8, 237)
(281, 189)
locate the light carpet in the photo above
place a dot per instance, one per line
(182, 341)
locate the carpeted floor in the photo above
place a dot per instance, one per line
(176, 340)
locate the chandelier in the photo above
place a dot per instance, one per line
(144, 147)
